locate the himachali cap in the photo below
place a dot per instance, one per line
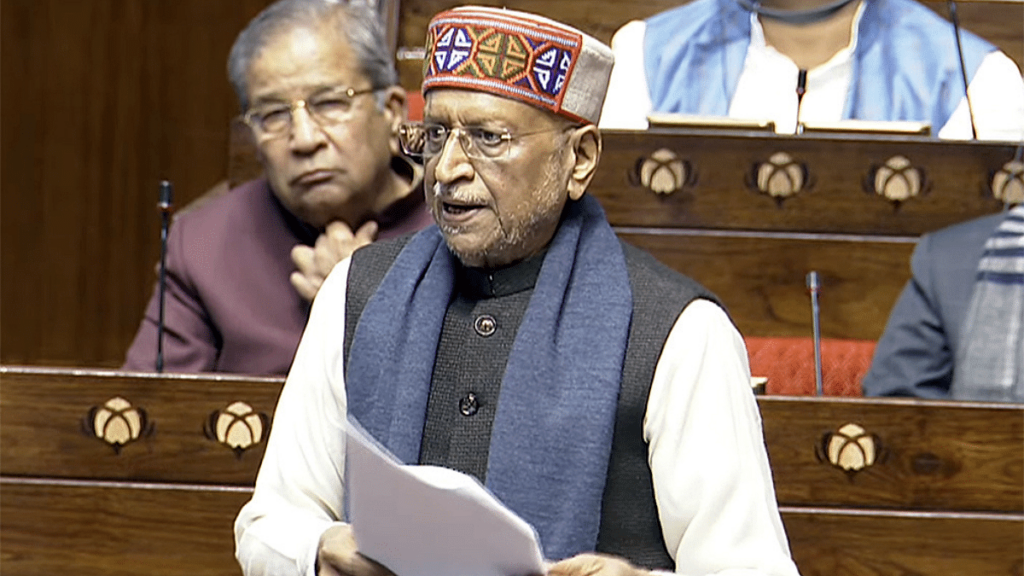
(518, 55)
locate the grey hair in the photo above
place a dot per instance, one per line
(357, 21)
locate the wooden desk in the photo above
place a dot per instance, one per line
(160, 505)
(750, 214)
(942, 491)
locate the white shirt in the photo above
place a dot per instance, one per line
(766, 89)
(712, 481)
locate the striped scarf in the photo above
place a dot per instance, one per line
(990, 362)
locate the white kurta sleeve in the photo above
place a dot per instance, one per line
(628, 101)
(997, 101)
(299, 489)
(709, 465)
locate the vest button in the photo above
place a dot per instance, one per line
(485, 325)
(469, 405)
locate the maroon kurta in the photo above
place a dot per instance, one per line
(229, 305)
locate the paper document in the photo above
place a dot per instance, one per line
(432, 521)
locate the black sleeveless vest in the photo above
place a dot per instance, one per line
(630, 527)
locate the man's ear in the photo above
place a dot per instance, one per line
(586, 146)
(395, 112)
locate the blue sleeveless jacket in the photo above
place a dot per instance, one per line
(905, 66)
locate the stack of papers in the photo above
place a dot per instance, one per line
(432, 521)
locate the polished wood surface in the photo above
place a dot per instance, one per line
(881, 543)
(161, 505)
(754, 249)
(107, 529)
(761, 280)
(101, 99)
(997, 21)
(930, 455)
(940, 493)
(37, 439)
(839, 172)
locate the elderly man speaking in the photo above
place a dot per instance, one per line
(601, 396)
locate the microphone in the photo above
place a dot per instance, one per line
(164, 205)
(963, 68)
(814, 286)
(801, 89)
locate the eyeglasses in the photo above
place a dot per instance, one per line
(326, 109)
(428, 140)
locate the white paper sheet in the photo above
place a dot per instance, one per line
(432, 521)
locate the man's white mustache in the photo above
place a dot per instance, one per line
(455, 194)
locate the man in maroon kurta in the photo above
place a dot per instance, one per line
(318, 88)
(229, 305)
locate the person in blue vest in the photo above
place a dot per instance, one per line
(876, 60)
(602, 397)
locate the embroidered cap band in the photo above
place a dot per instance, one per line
(521, 56)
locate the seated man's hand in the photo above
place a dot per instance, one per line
(595, 565)
(337, 555)
(334, 245)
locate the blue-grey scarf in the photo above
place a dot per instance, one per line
(990, 362)
(553, 427)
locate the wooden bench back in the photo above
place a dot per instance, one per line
(865, 486)
(749, 215)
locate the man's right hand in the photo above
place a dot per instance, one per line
(338, 556)
(337, 242)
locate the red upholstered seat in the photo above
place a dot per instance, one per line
(788, 363)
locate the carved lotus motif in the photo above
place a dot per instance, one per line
(850, 448)
(898, 180)
(117, 422)
(238, 427)
(663, 172)
(780, 177)
(1008, 183)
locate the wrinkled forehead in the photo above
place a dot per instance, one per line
(298, 61)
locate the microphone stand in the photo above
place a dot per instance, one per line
(801, 89)
(164, 205)
(963, 67)
(814, 286)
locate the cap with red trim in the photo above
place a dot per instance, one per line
(521, 56)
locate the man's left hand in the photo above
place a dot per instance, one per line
(335, 244)
(595, 565)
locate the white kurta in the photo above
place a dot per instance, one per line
(767, 89)
(710, 470)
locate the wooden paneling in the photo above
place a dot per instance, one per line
(945, 494)
(104, 529)
(761, 279)
(931, 455)
(836, 199)
(754, 250)
(41, 437)
(880, 543)
(101, 99)
(998, 21)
